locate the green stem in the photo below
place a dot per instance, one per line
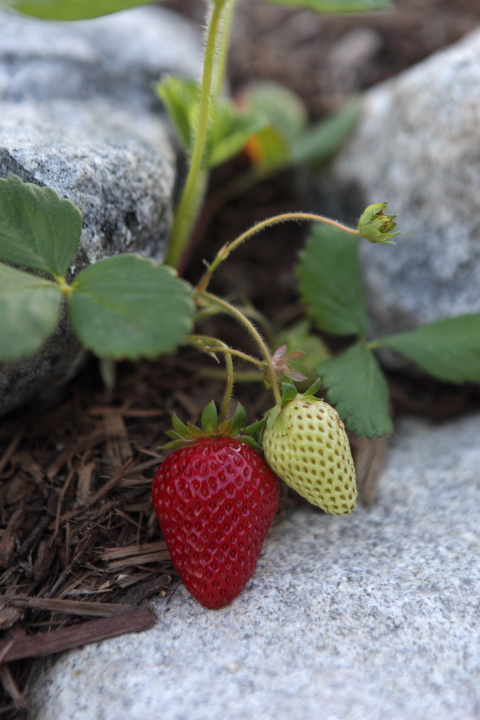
(218, 346)
(253, 332)
(223, 44)
(250, 312)
(225, 251)
(240, 354)
(241, 376)
(66, 289)
(187, 207)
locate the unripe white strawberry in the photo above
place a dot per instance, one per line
(308, 448)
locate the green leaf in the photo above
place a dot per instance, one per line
(337, 6)
(37, 229)
(447, 349)
(313, 389)
(175, 445)
(71, 9)
(229, 131)
(29, 312)
(239, 419)
(268, 149)
(195, 431)
(330, 283)
(224, 429)
(181, 98)
(174, 435)
(179, 427)
(289, 392)
(280, 105)
(272, 416)
(254, 427)
(358, 389)
(129, 307)
(229, 127)
(249, 440)
(210, 418)
(318, 143)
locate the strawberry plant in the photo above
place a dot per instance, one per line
(331, 289)
(215, 496)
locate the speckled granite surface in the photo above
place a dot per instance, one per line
(78, 112)
(417, 146)
(371, 617)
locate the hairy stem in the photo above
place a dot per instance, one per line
(215, 345)
(223, 44)
(224, 252)
(187, 207)
(253, 332)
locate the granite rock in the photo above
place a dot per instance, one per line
(78, 113)
(115, 165)
(118, 168)
(370, 616)
(118, 56)
(418, 146)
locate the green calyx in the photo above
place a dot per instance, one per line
(289, 393)
(182, 435)
(375, 225)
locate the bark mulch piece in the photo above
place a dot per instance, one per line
(78, 535)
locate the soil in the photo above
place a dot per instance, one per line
(79, 539)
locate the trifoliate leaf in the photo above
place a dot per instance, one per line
(29, 312)
(330, 283)
(71, 9)
(129, 307)
(358, 389)
(38, 229)
(447, 349)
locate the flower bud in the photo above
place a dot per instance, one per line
(376, 226)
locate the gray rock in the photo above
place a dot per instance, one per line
(115, 165)
(78, 113)
(118, 168)
(418, 146)
(370, 616)
(118, 56)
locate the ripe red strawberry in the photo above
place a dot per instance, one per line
(215, 500)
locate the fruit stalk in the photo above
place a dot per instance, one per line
(253, 332)
(212, 345)
(225, 251)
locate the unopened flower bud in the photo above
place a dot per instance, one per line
(376, 226)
